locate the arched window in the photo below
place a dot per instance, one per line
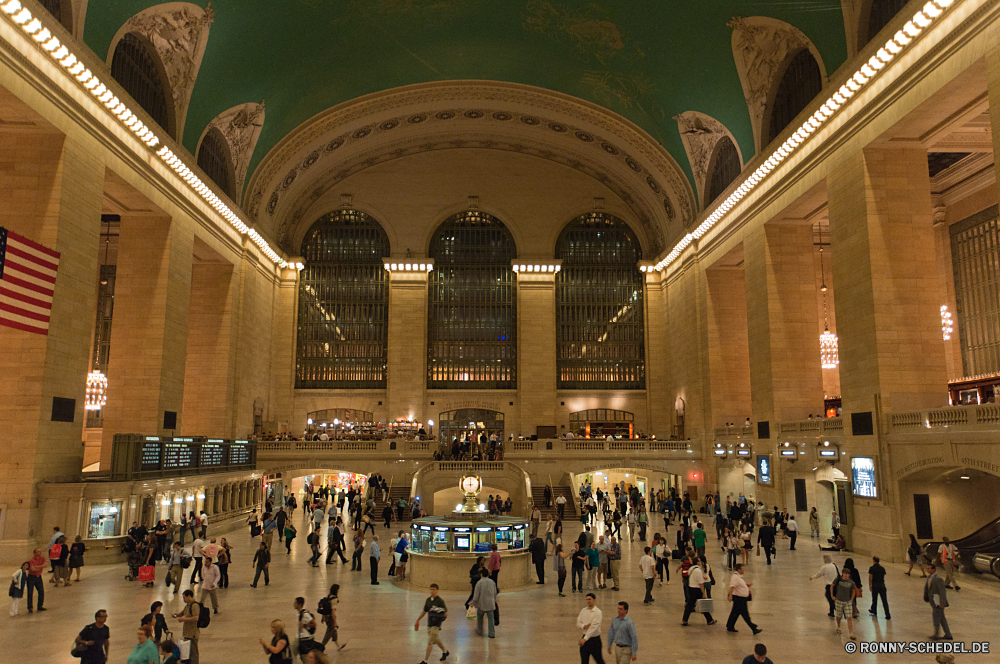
(724, 169)
(343, 304)
(213, 158)
(801, 82)
(879, 15)
(61, 10)
(600, 342)
(136, 70)
(472, 305)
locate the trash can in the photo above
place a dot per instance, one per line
(987, 563)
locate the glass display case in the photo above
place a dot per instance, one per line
(438, 535)
(105, 520)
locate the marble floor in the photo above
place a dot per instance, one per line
(536, 624)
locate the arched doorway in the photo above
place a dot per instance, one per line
(339, 423)
(601, 422)
(462, 422)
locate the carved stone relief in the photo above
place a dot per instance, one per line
(179, 33)
(762, 48)
(241, 126)
(700, 134)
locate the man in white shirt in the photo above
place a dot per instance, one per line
(203, 523)
(948, 553)
(648, 566)
(197, 551)
(561, 506)
(536, 519)
(793, 531)
(210, 576)
(739, 595)
(696, 591)
(589, 621)
(829, 572)
(550, 531)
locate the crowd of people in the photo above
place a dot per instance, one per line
(593, 561)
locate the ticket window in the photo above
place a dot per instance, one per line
(518, 539)
(483, 540)
(440, 539)
(505, 538)
(421, 539)
(463, 540)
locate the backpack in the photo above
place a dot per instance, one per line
(204, 616)
(55, 551)
(324, 608)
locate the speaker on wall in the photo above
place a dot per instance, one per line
(63, 410)
(862, 424)
(763, 430)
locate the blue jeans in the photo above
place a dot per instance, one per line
(479, 622)
(578, 579)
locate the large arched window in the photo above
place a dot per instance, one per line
(135, 68)
(343, 304)
(879, 14)
(600, 342)
(213, 158)
(472, 305)
(725, 168)
(801, 82)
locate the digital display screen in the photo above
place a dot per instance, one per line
(461, 542)
(863, 470)
(239, 455)
(177, 455)
(150, 458)
(764, 468)
(212, 455)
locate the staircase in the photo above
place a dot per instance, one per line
(395, 493)
(538, 496)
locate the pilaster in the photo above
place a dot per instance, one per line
(536, 352)
(406, 376)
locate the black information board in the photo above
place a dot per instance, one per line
(212, 455)
(150, 456)
(178, 455)
(239, 454)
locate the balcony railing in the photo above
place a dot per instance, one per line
(972, 417)
(517, 448)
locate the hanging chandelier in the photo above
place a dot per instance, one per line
(828, 352)
(97, 390)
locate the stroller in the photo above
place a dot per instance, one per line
(134, 562)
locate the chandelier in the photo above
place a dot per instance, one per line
(97, 390)
(946, 326)
(828, 353)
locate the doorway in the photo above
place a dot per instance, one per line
(457, 424)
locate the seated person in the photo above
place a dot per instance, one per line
(838, 545)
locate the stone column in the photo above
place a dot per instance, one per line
(149, 337)
(52, 193)
(209, 377)
(657, 369)
(210, 501)
(888, 314)
(536, 352)
(407, 353)
(283, 351)
(728, 348)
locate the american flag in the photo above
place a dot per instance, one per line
(27, 281)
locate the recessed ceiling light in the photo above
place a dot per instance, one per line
(964, 477)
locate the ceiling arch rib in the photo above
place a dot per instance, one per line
(356, 135)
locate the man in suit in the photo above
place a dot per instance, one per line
(936, 594)
(537, 548)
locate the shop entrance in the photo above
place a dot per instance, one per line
(460, 423)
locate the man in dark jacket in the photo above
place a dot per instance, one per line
(765, 539)
(280, 519)
(537, 548)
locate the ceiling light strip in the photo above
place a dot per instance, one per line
(21, 17)
(923, 19)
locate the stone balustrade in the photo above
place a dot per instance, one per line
(977, 417)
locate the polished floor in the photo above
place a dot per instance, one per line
(536, 624)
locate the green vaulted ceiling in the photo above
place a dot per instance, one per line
(647, 60)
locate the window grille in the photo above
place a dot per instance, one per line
(801, 82)
(881, 12)
(54, 7)
(213, 158)
(343, 304)
(472, 305)
(600, 340)
(975, 251)
(135, 70)
(725, 168)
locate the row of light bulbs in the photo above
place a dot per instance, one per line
(409, 267)
(22, 17)
(178, 500)
(521, 267)
(896, 44)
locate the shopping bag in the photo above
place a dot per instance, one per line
(147, 573)
(470, 613)
(703, 606)
(184, 647)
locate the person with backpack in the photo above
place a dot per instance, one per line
(94, 640)
(192, 620)
(843, 591)
(59, 557)
(210, 583)
(327, 610)
(436, 612)
(279, 650)
(307, 629)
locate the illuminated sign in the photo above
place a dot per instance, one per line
(863, 470)
(743, 452)
(787, 453)
(764, 468)
(720, 453)
(828, 453)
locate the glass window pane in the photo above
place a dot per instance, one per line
(343, 304)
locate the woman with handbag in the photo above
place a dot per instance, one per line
(709, 577)
(76, 551)
(747, 543)
(17, 583)
(913, 555)
(279, 651)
